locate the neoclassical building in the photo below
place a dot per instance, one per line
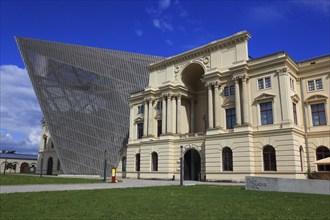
(233, 115)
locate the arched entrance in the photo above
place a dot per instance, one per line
(23, 167)
(192, 165)
(50, 166)
(196, 105)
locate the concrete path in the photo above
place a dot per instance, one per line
(125, 183)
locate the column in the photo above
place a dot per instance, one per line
(192, 116)
(210, 105)
(237, 102)
(164, 115)
(131, 122)
(216, 105)
(168, 115)
(285, 99)
(221, 110)
(150, 118)
(145, 119)
(178, 115)
(173, 103)
(246, 108)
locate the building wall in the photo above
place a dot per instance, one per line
(197, 119)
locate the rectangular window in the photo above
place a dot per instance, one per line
(267, 82)
(159, 105)
(295, 113)
(226, 91)
(315, 85)
(230, 118)
(229, 90)
(232, 90)
(139, 130)
(318, 114)
(266, 112)
(292, 83)
(140, 109)
(318, 84)
(159, 127)
(264, 83)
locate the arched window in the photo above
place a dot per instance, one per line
(123, 164)
(322, 152)
(137, 162)
(154, 161)
(227, 159)
(269, 158)
(58, 164)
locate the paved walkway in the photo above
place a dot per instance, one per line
(126, 183)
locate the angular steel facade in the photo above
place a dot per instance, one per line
(83, 93)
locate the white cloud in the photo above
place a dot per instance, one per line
(164, 4)
(320, 6)
(20, 113)
(267, 13)
(156, 23)
(169, 42)
(139, 32)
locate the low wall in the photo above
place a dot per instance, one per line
(288, 185)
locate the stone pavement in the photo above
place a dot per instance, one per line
(125, 183)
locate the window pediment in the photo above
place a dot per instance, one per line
(158, 115)
(138, 119)
(295, 98)
(228, 104)
(264, 97)
(316, 99)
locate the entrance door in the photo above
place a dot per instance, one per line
(192, 165)
(50, 166)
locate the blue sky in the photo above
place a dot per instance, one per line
(163, 28)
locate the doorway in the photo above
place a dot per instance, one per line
(192, 165)
(50, 166)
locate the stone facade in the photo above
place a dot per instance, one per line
(233, 115)
(48, 160)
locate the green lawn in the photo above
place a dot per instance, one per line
(170, 202)
(18, 179)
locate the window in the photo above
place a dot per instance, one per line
(229, 90)
(123, 164)
(301, 152)
(266, 112)
(318, 114)
(137, 162)
(269, 158)
(292, 83)
(140, 109)
(154, 161)
(159, 105)
(322, 152)
(227, 159)
(139, 130)
(230, 118)
(159, 127)
(52, 145)
(315, 84)
(295, 120)
(264, 83)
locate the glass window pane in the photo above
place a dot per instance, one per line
(261, 84)
(311, 86)
(267, 82)
(226, 91)
(318, 84)
(232, 90)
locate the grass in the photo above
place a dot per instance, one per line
(170, 202)
(18, 179)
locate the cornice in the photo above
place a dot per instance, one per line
(199, 51)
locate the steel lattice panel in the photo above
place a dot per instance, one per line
(83, 93)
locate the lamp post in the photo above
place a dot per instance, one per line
(181, 167)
